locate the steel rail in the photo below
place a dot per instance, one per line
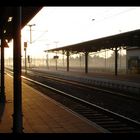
(106, 111)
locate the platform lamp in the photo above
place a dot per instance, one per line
(30, 26)
(25, 47)
(47, 58)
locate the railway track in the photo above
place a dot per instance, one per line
(60, 79)
(105, 118)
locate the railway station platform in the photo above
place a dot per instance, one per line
(135, 78)
(42, 114)
(129, 83)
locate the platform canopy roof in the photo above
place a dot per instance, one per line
(131, 38)
(7, 14)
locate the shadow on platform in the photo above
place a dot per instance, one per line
(2, 107)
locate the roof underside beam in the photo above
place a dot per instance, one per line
(131, 38)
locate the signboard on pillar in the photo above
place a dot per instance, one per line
(25, 45)
(56, 57)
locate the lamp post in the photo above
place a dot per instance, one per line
(30, 26)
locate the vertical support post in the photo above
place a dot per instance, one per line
(25, 49)
(105, 59)
(116, 61)
(67, 60)
(126, 60)
(86, 62)
(63, 57)
(30, 33)
(17, 116)
(56, 61)
(25, 62)
(2, 96)
(80, 59)
(47, 59)
(120, 58)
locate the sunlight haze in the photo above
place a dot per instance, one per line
(61, 26)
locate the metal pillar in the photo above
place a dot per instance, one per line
(126, 60)
(80, 60)
(25, 61)
(105, 59)
(67, 60)
(25, 49)
(56, 61)
(2, 94)
(120, 58)
(63, 57)
(86, 62)
(47, 57)
(116, 61)
(17, 116)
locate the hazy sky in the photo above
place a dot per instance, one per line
(61, 26)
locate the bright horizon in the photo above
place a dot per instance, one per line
(61, 26)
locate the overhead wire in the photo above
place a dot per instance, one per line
(117, 14)
(105, 18)
(39, 36)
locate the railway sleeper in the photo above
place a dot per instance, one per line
(101, 119)
(89, 114)
(108, 122)
(95, 116)
(121, 128)
(83, 111)
(116, 125)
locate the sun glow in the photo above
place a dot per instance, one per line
(61, 26)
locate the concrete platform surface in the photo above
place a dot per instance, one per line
(42, 114)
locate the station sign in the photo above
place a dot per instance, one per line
(56, 57)
(25, 46)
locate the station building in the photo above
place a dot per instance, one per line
(133, 60)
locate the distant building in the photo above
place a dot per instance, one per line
(133, 60)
